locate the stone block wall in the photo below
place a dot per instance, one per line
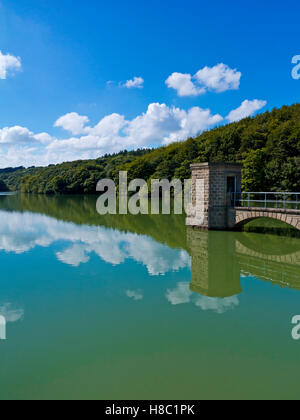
(210, 200)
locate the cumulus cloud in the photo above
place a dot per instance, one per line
(159, 125)
(192, 123)
(247, 109)
(219, 78)
(72, 122)
(16, 135)
(22, 136)
(183, 84)
(163, 125)
(135, 83)
(108, 126)
(8, 65)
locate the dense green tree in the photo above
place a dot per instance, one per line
(268, 145)
(254, 170)
(3, 186)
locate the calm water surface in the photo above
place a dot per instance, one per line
(124, 307)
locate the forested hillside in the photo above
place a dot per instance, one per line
(268, 145)
(79, 177)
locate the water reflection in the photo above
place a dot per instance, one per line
(10, 313)
(215, 272)
(22, 232)
(183, 294)
(218, 260)
(135, 294)
(221, 259)
(142, 298)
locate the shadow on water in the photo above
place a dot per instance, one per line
(219, 259)
(271, 227)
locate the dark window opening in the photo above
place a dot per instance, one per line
(231, 184)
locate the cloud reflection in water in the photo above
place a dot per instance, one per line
(22, 232)
(183, 295)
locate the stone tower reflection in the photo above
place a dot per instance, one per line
(215, 267)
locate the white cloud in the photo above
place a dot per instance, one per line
(159, 125)
(163, 125)
(22, 136)
(247, 109)
(109, 126)
(192, 123)
(219, 78)
(12, 135)
(72, 122)
(183, 84)
(8, 65)
(135, 295)
(44, 138)
(135, 83)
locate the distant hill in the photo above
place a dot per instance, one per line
(79, 177)
(11, 170)
(268, 145)
(7, 171)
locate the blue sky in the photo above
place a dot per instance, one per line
(65, 65)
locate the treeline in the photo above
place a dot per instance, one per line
(268, 145)
(79, 177)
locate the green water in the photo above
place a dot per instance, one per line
(126, 307)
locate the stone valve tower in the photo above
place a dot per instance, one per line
(212, 188)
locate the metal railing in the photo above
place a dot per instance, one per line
(272, 200)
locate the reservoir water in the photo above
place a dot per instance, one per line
(140, 307)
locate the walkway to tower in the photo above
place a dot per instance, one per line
(217, 202)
